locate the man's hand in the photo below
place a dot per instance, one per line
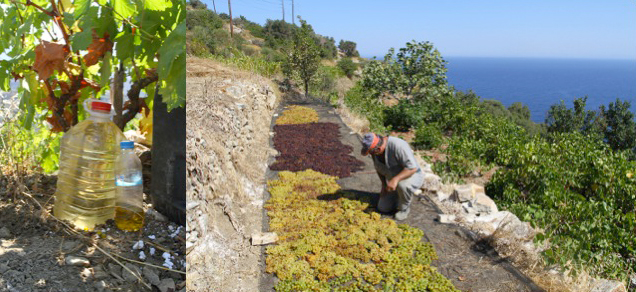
(392, 185)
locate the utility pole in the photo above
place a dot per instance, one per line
(293, 17)
(283, 5)
(214, 5)
(231, 25)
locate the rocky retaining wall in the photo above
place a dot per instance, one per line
(228, 119)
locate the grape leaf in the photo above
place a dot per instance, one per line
(49, 56)
(81, 6)
(172, 68)
(124, 46)
(124, 8)
(157, 5)
(105, 71)
(81, 40)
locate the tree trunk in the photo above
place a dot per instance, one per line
(306, 88)
(117, 96)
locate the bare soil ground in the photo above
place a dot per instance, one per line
(36, 251)
(470, 265)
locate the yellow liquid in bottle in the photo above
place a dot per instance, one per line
(129, 218)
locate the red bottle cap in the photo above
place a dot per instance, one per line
(100, 106)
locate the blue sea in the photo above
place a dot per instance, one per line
(540, 83)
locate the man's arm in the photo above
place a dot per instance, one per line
(404, 174)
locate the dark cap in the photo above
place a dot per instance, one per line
(369, 141)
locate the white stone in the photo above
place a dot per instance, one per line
(260, 238)
(484, 204)
(77, 261)
(432, 182)
(608, 286)
(441, 196)
(446, 219)
(467, 192)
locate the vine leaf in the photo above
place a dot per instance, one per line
(97, 49)
(49, 56)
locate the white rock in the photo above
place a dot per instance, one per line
(467, 192)
(484, 204)
(446, 219)
(138, 245)
(77, 261)
(608, 286)
(192, 205)
(260, 238)
(442, 196)
(432, 182)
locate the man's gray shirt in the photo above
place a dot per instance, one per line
(398, 156)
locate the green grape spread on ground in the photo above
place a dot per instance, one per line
(297, 115)
(327, 242)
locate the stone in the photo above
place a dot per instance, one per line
(467, 192)
(484, 204)
(69, 245)
(3, 268)
(151, 275)
(167, 285)
(86, 273)
(5, 233)
(101, 285)
(442, 196)
(608, 286)
(432, 182)
(99, 273)
(131, 277)
(77, 261)
(260, 238)
(508, 224)
(192, 205)
(446, 219)
(115, 270)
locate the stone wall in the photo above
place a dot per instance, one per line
(228, 119)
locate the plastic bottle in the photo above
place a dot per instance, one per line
(85, 192)
(129, 212)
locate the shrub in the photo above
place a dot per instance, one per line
(271, 55)
(277, 32)
(347, 66)
(362, 102)
(323, 82)
(404, 116)
(203, 18)
(348, 48)
(428, 136)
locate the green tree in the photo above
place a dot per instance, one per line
(347, 66)
(619, 126)
(519, 110)
(204, 18)
(348, 48)
(418, 70)
(303, 59)
(561, 119)
(278, 32)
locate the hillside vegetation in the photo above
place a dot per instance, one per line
(572, 176)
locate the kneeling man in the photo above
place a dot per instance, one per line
(398, 170)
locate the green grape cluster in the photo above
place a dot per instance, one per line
(337, 246)
(297, 115)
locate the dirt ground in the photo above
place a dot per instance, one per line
(37, 253)
(470, 265)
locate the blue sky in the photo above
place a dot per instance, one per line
(589, 29)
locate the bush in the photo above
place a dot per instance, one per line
(277, 33)
(428, 136)
(348, 48)
(272, 55)
(347, 66)
(362, 102)
(203, 18)
(404, 116)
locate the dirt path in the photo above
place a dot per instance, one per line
(469, 265)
